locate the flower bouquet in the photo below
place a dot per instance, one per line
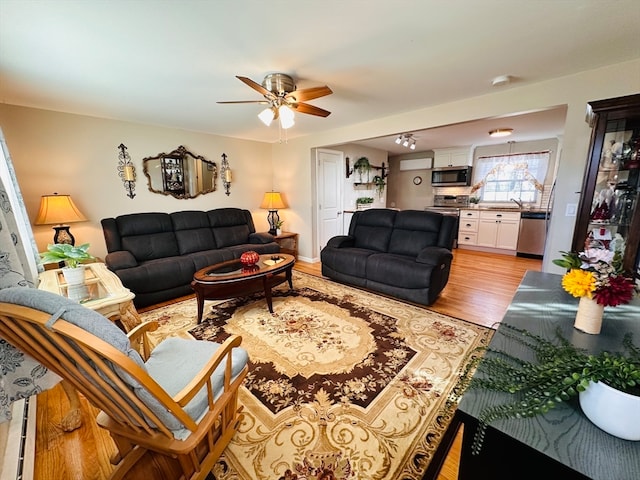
(596, 276)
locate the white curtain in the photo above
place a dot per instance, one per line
(20, 375)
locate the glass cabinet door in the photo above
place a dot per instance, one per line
(609, 209)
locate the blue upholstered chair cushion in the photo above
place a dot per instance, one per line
(172, 364)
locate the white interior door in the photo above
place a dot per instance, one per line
(330, 165)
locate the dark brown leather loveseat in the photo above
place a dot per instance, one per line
(405, 254)
(156, 254)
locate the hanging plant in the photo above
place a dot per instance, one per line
(380, 184)
(362, 166)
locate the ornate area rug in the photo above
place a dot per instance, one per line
(342, 384)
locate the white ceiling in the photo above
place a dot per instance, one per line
(167, 63)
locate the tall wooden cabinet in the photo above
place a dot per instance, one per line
(609, 199)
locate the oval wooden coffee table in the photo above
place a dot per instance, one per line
(231, 279)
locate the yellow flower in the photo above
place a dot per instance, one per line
(579, 283)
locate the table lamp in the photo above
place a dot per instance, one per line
(272, 201)
(59, 210)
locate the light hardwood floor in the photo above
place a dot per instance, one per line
(479, 290)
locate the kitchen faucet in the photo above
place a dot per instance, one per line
(518, 202)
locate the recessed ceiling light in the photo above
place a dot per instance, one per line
(501, 132)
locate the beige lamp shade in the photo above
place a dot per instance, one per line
(272, 201)
(58, 209)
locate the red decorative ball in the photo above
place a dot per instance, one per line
(249, 258)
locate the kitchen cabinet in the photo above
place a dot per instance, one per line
(498, 229)
(452, 157)
(609, 199)
(468, 227)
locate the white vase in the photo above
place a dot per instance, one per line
(611, 410)
(73, 276)
(589, 316)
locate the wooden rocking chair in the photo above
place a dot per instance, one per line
(179, 400)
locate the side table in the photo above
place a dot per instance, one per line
(106, 295)
(288, 242)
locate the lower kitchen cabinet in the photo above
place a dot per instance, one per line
(498, 229)
(489, 229)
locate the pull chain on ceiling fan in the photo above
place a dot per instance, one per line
(283, 99)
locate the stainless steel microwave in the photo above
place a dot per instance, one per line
(451, 176)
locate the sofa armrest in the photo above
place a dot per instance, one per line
(434, 256)
(119, 260)
(261, 237)
(341, 241)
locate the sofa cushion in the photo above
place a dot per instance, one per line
(372, 228)
(413, 231)
(193, 232)
(398, 270)
(147, 235)
(230, 226)
(159, 274)
(349, 261)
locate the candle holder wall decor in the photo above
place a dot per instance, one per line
(225, 173)
(126, 171)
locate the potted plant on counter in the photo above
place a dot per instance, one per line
(72, 256)
(562, 371)
(363, 203)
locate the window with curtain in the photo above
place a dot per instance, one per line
(515, 176)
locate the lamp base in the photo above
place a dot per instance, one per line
(273, 218)
(63, 235)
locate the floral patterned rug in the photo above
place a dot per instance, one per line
(342, 384)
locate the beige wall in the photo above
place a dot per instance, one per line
(574, 91)
(403, 193)
(78, 155)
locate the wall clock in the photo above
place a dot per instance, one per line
(417, 180)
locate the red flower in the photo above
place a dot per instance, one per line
(620, 290)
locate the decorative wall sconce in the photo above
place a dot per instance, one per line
(126, 171)
(225, 172)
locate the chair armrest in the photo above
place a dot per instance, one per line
(341, 241)
(139, 340)
(434, 256)
(261, 237)
(203, 376)
(119, 260)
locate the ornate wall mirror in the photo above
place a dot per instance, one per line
(180, 174)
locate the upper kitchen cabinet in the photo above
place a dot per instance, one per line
(452, 157)
(609, 200)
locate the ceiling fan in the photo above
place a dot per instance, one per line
(283, 99)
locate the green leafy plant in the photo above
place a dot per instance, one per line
(364, 200)
(474, 200)
(380, 184)
(69, 254)
(362, 166)
(561, 371)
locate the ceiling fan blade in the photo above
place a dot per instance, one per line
(256, 86)
(247, 101)
(310, 109)
(308, 93)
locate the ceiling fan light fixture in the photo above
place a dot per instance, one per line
(500, 132)
(266, 116)
(286, 117)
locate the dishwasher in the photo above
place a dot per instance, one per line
(532, 235)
